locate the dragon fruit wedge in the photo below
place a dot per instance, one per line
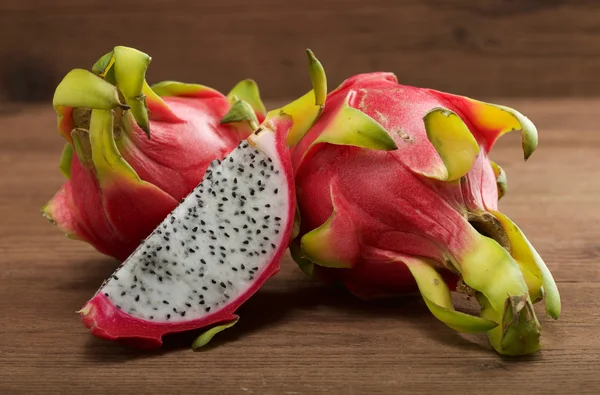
(165, 136)
(396, 192)
(221, 242)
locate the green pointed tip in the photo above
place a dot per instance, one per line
(65, 160)
(83, 89)
(501, 180)
(318, 78)
(353, 127)
(436, 295)
(452, 140)
(519, 332)
(305, 264)
(529, 133)
(130, 67)
(528, 255)
(107, 159)
(207, 336)
(498, 120)
(103, 64)
(241, 111)
(248, 91)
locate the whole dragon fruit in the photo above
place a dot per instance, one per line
(396, 193)
(220, 244)
(165, 136)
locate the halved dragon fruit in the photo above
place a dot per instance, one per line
(222, 241)
(167, 135)
(396, 193)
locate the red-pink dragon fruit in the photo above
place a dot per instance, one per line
(165, 135)
(220, 244)
(396, 193)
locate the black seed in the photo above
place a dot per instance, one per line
(226, 235)
(213, 238)
(212, 253)
(158, 248)
(255, 208)
(221, 261)
(191, 250)
(273, 245)
(165, 302)
(246, 242)
(115, 277)
(234, 269)
(118, 307)
(123, 293)
(168, 316)
(263, 251)
(243, 267)
(222, 248)
(276, 190)
(257, 231)
(261, 189)
(160, 279)
(243, 249)
(137, 298)
(168, 248)
(223, 285)
(245, 227)
(213, 281)
(223, 255)
(276, 231)
(203, 261)
(195, 229)
(265, 227)
(152, 271)
(211, 247)
(183, 313)
(265, 238)
(207, 309)
(267, 205)
(193, 237)
(151, 317)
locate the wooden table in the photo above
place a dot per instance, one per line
(297, 336)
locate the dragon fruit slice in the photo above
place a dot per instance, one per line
(167, 134)
(218, 246)
(396, 193)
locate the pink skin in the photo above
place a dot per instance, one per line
(386, 205)
(185, 138)
(107, 322)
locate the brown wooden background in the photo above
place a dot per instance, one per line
(481, 48)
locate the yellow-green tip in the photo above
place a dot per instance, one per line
(318, 78)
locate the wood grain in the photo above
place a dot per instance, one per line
(297, 336)
(487, 47)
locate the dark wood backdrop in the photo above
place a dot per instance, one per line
(480, 48)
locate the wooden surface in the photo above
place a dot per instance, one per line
(296, 336)
(483, 47)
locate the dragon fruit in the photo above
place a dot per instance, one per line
(167, 135)
(396, 193)
(221, 242)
